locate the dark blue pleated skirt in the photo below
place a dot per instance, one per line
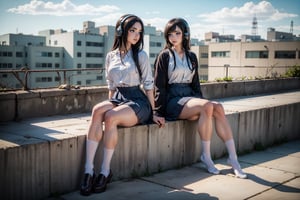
(136, 99)
(179, 94)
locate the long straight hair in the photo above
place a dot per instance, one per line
(184, 27)
(121, 39)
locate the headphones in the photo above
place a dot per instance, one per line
(119, 30)
(187, 33)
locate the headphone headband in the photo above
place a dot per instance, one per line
(120, 28)
(187, 33)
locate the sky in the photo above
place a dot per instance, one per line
(226, 17)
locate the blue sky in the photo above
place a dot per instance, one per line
(223, 16)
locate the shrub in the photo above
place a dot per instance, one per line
(293, 71)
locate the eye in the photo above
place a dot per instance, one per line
(178, 33)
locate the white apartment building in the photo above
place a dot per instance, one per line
(61, 50)
(22, 52)
(82, 50)
(252, 59)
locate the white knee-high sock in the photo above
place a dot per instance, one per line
(231, 149)
(107, 155)
(206, 158)
(206, 149)
(91, 148)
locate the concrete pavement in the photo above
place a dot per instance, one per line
(273, 173)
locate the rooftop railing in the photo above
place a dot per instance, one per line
(21, 76)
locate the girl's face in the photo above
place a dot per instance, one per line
(134, 34)
(175, 37)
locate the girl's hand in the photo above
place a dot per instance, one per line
(160, 121)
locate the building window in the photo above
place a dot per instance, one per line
(78, 82)
(220, 54)
(94, 55)
(56, 65)
(257, 54)
(94, 44)
(6, 65)
(87, 82)
(93, 65)
(152, 55)
(78, 43)
(204, 66)
(43, 79)
(204, 55)
(43, 65)
(285, 54)
(19, 54)
(78, 54)
(56, 54)
(6, 53)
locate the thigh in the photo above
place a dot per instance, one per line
(103, 107)
(122, 115)
(193, 108)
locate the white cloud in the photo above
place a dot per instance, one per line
(264, 11)
(238, 20)
(108, 19)
(158, 22)
(65, 8)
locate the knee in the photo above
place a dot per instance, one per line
(97, 112)
(218, 110)
(208, 108)
(109, 118)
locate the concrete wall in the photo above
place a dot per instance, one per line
(38, 103)
(41, 157)
(36, 167)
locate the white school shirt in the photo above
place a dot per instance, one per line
(182, 72)
(126, 74)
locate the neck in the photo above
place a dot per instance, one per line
(178, 49)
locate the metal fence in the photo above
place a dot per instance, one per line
(11, 79)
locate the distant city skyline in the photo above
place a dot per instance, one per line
(229, 17)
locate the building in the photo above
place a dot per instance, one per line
(241, 60)
(23, 52)
(273, 35)
(70, 52)
(79, 56)
(216, 37)
(202, 56)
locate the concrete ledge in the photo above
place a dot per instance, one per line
(47, 102)
(44, 156)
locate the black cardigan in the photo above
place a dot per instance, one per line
(161, 80)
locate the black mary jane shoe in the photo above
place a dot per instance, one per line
(87, 184)
(101, 182)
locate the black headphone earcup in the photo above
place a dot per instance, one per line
(119, 31)
(187, 35)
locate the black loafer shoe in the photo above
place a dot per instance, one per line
(87, 184)
(101, 182)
